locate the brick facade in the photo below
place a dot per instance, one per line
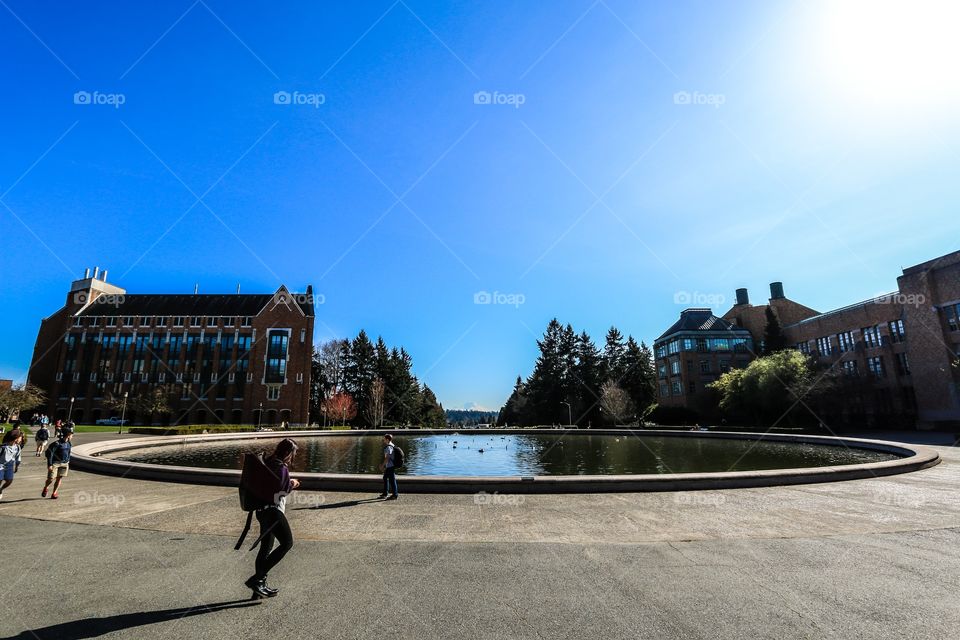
(242, 358)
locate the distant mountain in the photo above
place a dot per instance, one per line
(466, 417)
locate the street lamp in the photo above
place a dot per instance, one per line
(123, 412)
(569, 413)
(259, 416)
(70, 412)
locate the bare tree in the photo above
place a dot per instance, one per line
(375, 404)
(20, 397)
(615, 401)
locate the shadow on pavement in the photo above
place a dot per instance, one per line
(338, 505)
(95, 627)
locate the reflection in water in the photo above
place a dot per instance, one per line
(514, 455)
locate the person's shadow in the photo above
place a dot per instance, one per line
(95, 627)
(339, 505)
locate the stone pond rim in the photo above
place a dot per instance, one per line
(88, 457)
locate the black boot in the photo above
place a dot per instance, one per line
(258, 586)
(270, 591)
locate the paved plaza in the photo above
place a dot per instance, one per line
(128, 558)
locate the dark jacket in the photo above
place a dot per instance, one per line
(58, 453)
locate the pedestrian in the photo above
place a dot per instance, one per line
(58, 464)
(274, 527)
(10, 449)
(42, 437)
(389, 469)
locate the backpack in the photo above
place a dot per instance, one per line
(259, 487)
(399, 458)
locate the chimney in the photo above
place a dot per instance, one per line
(96, 272)
(776, 290)
(86, 273)
(103, 276)
(742, 297)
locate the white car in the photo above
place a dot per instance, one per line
(112, 422)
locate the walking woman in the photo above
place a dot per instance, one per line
(10, 457)
(274, 527)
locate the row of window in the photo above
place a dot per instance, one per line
(701, 345)
(876, 366)
(705, 367)
(161, 321)
(952, 313)
(188, 390)
(846, 341)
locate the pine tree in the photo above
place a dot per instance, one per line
(589, 371)
(432, 415)
(773, 338)
(639, 379)
(545, 386)
(613, 354)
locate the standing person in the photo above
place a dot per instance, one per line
(10, 457)
(41, 438)
(273, 521)
(389, 470)
(58, 464)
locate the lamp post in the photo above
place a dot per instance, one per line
(70, 412)
(259, 416)
(569, 413)
(123, 412)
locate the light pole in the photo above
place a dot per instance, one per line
(569, 413)
(259, 416)
(123, 412)
(70, 412)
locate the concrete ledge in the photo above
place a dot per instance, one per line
(89, 457)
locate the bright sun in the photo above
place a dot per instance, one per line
(894, 53)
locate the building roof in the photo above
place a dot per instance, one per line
(246, 304)
(694, 320)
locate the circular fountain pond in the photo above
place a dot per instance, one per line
(529, 460)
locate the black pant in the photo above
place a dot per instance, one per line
(273, 527)
(390, 481)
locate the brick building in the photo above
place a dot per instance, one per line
(898, 352)
(218, 358)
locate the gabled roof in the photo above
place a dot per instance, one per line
(149, 304)
(694, 320)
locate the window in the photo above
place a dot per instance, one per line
(689, 344)
(243, 344)
(701, 344)
(721, 344)
(953, 316)
(195, 321)
(78, 321)
(903, 366)
(123, 345)
(849, 368)
(276, 356)
(111, 321)
(144, 321)
(677, 389)
(94, 321)
(211, 321)
(740, 344)
(724, 366)
(161, 321)
(692, 387)
(803, 347)
(689, 366)
(303, 335)
(178, 321)
(875, 365)
(897, 334)
(246, 321)
(128, 321)
(662, 370)
(273, 392)
(664, 391)
(673, 347)
(704, 366)
(871, 337)
(229, 321)
(823, 346)
(845, 341)
(675, 367)
(661, 350)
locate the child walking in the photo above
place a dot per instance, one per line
(58, 463)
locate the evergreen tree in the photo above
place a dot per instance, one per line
(514, 412)
(589, 372)
(360, 370)
(613, 355)
(639, 379)
(432, 415)
(545, 386)
(773, 338)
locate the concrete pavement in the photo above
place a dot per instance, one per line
(125, 558)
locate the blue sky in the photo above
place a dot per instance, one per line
(629, 152)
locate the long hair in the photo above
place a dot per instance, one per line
(286, 448)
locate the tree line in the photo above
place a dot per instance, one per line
(574, 381)
(363, 383)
